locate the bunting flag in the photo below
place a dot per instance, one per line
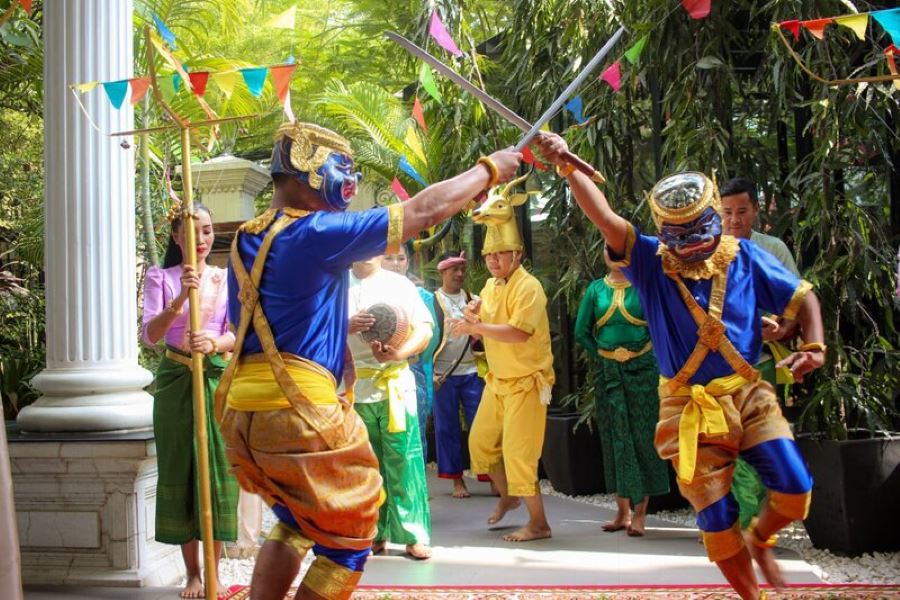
(26, 5)
(441, 35)
(412, 142)
(419, 114)
(817, 27)
(613, 76)
(399, 190)
(793, 26)
(285, 20)
(576, 107)
(176, 82)
(139, 87)
(86, 87)
(115, 91)
(890, 22)
(890, 52)
(174, 62)
(255, 78)
(409, 170)
(697, 9)
(164, 32)
(858, 23)
(633, 54)
(226, 81)
(427, 81)
(281, 77)
(199, 80)
(529, 159)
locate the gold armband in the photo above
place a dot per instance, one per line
(812, 347)
(492, 168)
(565, 170)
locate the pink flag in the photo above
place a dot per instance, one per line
(613, 76)
(419, 115)
(441, 35)
(698, 9)
(399, 190)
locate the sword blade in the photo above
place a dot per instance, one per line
(488, 100)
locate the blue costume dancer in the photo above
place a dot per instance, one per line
(701, 294)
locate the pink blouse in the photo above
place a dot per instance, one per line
(161, 286)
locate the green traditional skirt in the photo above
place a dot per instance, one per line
(177, 490)
(627, 409)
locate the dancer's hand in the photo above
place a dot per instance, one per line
(460, 327)
(771, 330)
(471, 312)
(190, 279)
(384, 353)
(361, 321)
(801, 363)
(202, 341)
(507, 163)
(552, 147)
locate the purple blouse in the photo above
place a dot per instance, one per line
(161, 286)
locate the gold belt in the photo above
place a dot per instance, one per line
(186, 359)
(623, 354)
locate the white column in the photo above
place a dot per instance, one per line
(92, 381)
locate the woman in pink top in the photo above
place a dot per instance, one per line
(166, 316)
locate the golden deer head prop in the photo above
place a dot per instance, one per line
(498, 214)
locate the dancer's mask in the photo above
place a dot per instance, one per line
(686, 209)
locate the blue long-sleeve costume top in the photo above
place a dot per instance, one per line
(304, 286)
(756, 280)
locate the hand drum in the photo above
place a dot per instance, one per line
(391, 326)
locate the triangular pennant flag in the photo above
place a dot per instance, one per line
(170, 58)
(176, 82)
(858, 23)
(576, 107)
(164, 32)
(817, 27)
(613, 76)
(198, 82)
(409, 170)
(286, 20)
(634, 53)
(226, 81)
(441, 35)
(529, 159)
(288, 111)
(139, 86)
(399, 190)
(889, 21)
(697, 9)
(26, 5)
(427, 81)
(412, 142)
(255, 78)
(115, 91)
(86, 87)
(419, 114)
(793, 26)
(167, 86)
(281, 77)
(889, 52)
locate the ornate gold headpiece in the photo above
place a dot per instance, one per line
(310, 147)
(177, 212)
(680, 198)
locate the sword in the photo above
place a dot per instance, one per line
(491, 102)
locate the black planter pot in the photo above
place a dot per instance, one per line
(671, 501)
(856, 494)
(572, 459)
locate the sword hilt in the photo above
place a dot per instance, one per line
(582, 166)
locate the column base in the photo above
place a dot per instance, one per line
(86, 510)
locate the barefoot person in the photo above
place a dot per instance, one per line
(507, 434)
(289, 436)
(166, 317)
(611, 327)
(702, 293)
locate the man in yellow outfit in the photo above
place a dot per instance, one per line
(507, 434)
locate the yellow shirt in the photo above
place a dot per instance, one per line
(519, 301)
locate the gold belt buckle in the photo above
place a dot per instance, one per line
(622, 354)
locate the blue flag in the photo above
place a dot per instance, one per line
(409, 170)
(576, 107)
(115, 91)
(890, 21)
(164, 32)
(255, 79)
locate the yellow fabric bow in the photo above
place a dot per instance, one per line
(388, 381)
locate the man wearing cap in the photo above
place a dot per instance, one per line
(702, 292)
(456, 378)
(288, 435)
(507, 434)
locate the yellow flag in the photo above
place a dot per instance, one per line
(226, 81)
(858, 23)
(412, 141)
(286, 20)
(86, 87)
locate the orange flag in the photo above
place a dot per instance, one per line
(26, 4)
(817, 26)
(281, 77)
(419, 114)
(139, 86)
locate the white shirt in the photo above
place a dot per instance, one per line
(453, 306)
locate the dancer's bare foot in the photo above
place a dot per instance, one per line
(621, 521)
(378, 546)
(503, 507)
(418, 551)
(636, 529)
(194, 588)
(764, 557)
(459, 489)
(527, 533)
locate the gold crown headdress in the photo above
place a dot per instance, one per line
(682, 197)
(310, 147)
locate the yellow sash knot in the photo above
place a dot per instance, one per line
(388, 381)
(702, 414)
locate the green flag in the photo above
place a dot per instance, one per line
(634, 53)
(427, 81)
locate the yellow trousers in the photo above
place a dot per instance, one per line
(508, 430)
